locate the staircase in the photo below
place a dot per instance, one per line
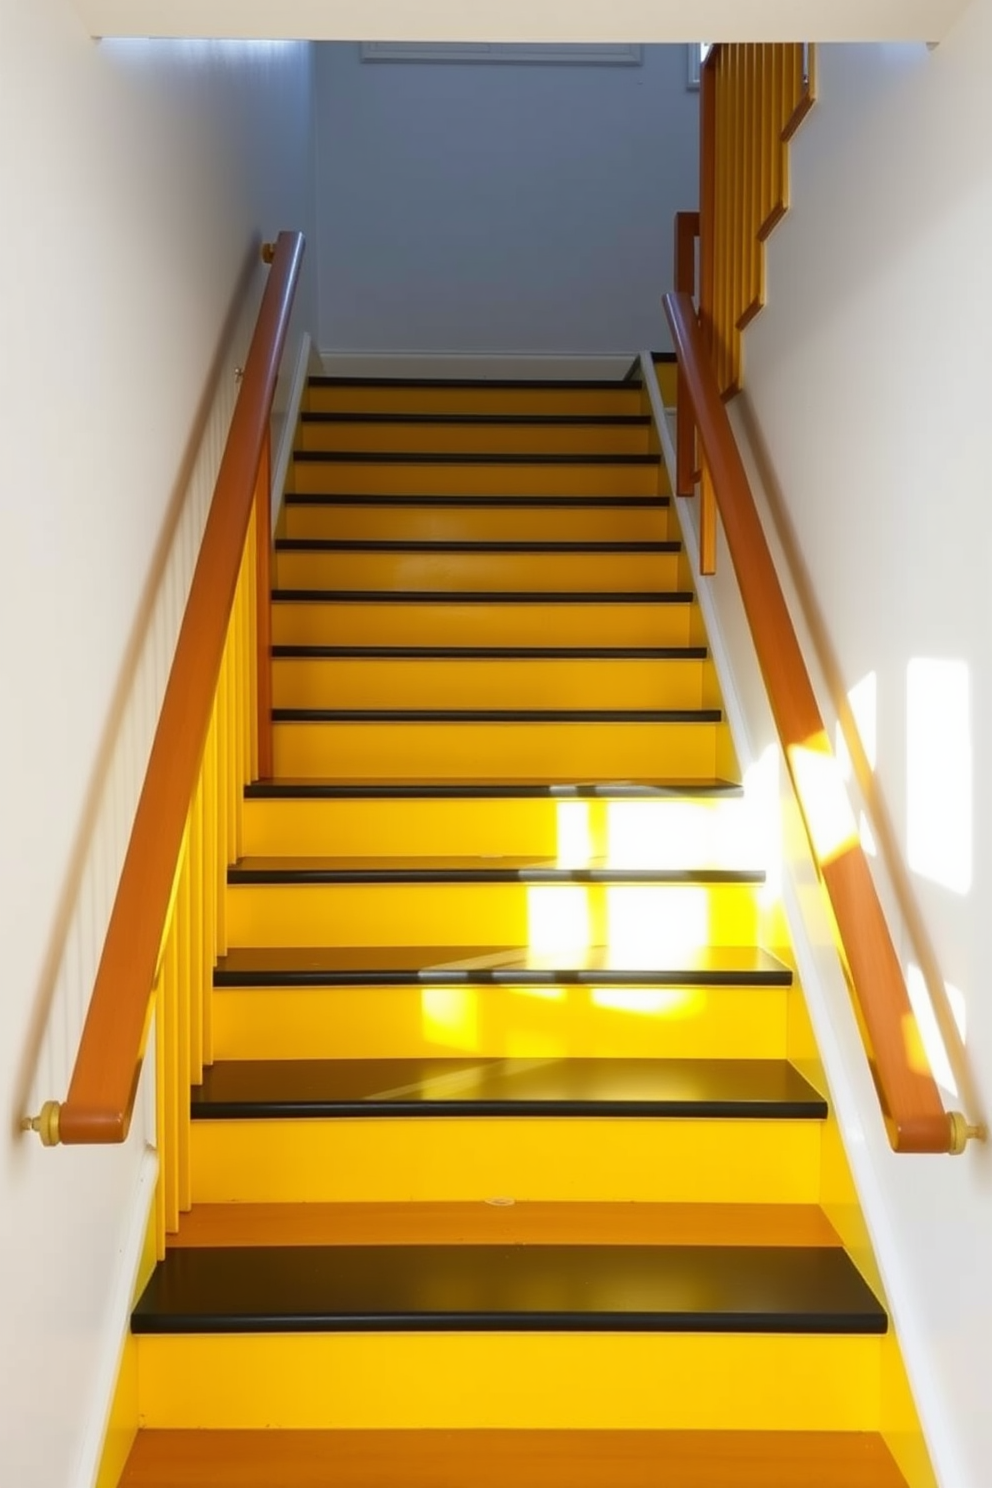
(505, 1171)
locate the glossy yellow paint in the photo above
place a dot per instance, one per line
(488, 682)
(482, 439)
(517, 623)
(480, 398)
(451, 570)
(663, 832)
(333, 1161)
(564, 1380)
(458, 478)
(516, 751)
(609, 522)
(522, 1023)
(643, 919)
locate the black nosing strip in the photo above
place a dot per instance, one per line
(664, 356)
(488, 420)
(421, 457)
(289, 1110)
(497, 715)
(244, 875)
(413, 545)
(313, 790)
(261, 977)
(516, 384)
(490, 653)
(482, 596)
(523, 503)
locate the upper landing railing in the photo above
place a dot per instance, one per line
(752, 100)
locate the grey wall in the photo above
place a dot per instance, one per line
(503, 208)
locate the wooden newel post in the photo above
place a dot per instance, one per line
(263, 606)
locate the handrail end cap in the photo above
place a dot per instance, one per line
(963, 1131)
(46, 1124)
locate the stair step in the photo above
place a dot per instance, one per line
(451, 966)
(386, 567)
(471, 396)
(504, 1222)
(493, 677)
(495, 434)
(486, 519)
(508, 1288)
(496, 1459)
(413, 474)
(485, 790)
(328, 617)
(452, 743)
(657, 1089)
(470, 870)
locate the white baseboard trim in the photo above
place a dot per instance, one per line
(284, 454)
(488, 366)
(108, 1360)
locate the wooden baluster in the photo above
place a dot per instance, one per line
(263, 588)
(184, 1198)
(686, 232)
(169, 1148)
(198, 896)
(211, 836)
(707, 523)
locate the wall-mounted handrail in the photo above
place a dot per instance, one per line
(911, 1104)
(104, 1082)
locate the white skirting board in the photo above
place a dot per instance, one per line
(851, 1089)
(306, 363)
(524, 366)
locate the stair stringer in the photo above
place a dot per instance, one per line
(915, 1421)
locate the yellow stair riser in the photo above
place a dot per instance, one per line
(315, 569)
(457, 478)
(514, 624)
(506, 1380)
(488, 682)
(450, 1159)
(515, 751)
(668, 381)
(482, 439)
(641, 920)
(589, 402)
(501, 1022)
(480, 523)
(661, 833)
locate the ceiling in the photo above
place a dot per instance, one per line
(528, 20)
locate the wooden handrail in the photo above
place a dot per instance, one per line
(911, 1105)
(104, 1081)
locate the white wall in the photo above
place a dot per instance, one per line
(868, 378)
(498, 207)
(135, 182)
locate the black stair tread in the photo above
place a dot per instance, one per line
(499, 420)
(482, 596)
(553, 1288)
(491, 653)
(467, 457)
(285, 1089)
(460, 966)
(463, 868)
(565, 790)
(440, 545)
(497, 715)
(600, 503)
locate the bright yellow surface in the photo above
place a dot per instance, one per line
(479, 399)
(517, 751)
(486, 682)
(577, 1022)
(444, 478)
(514, 1380)
(485, 439)
(499, 572)
(561, 623)
(439, 1158)
(606, 523)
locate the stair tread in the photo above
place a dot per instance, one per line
(287, 789)
(495, 653)
(518, 384)
(502, 1221)
(715, 1088)
(483, 596)
(499, 420)
(458, 966)
(420, 457)
(548, 547)
(674, 1288)
(470, 869)
(525, 1459)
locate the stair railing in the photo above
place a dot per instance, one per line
(214, 733)
(913, 1110)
